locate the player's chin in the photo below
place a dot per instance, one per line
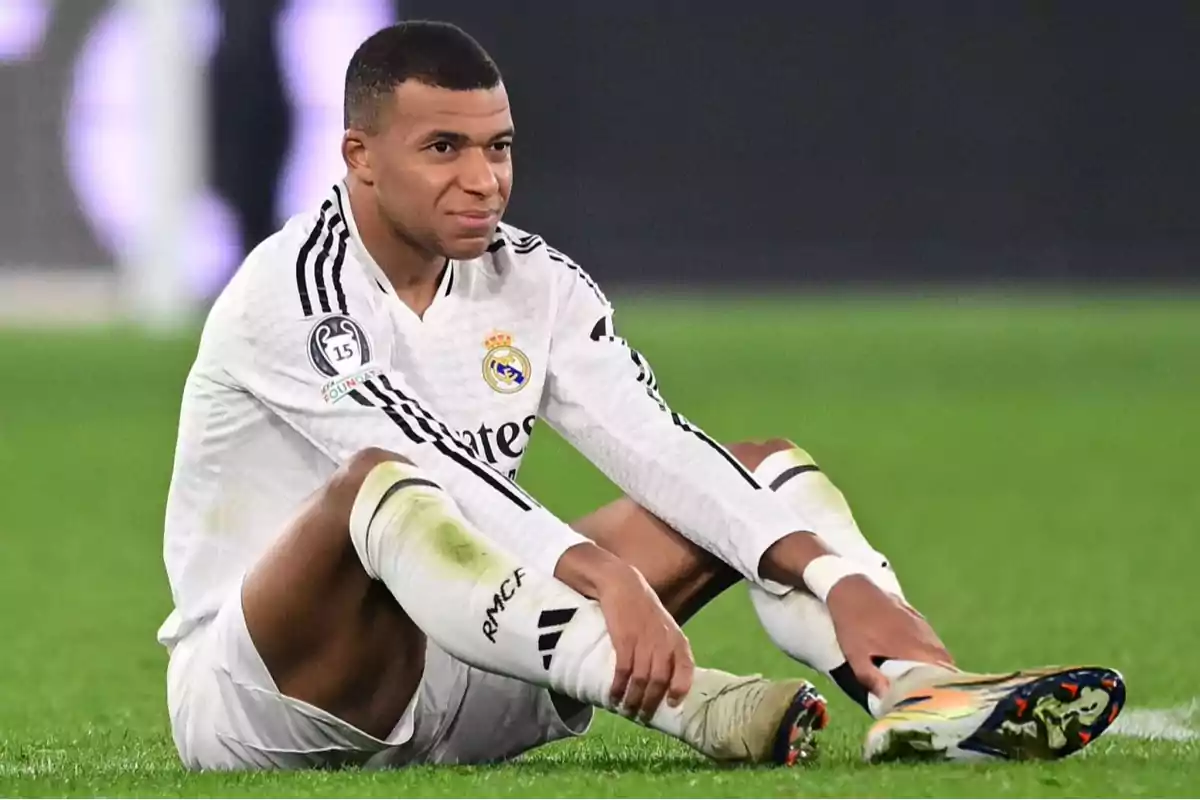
(462, 247)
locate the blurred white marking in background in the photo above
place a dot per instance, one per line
(35, 297)
(316, 40)
(135, 153)
(1179, 724)
(22, 28)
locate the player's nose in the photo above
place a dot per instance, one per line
(477, 174)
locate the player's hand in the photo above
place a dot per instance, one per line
(654, 658)
(870, 622)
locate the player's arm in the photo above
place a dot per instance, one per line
(603, 398)
(328, 379)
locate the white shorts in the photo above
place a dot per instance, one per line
(227, 714)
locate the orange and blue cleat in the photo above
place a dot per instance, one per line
(1030, 715)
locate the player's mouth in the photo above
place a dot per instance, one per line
(476, 222)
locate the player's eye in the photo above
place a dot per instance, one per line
(503, 146)
(443, 147)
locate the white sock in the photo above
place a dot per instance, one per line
(795, 476)
(481, 605)
(798, 623)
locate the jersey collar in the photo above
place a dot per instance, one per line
(341, 196)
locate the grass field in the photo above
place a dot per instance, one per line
(1030, 466)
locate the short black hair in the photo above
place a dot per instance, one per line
(435, 53)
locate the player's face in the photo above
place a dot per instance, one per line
(441, 166)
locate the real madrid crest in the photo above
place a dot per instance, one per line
(505, 368)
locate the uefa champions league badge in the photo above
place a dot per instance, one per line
(338, 346)
(339, 349)
(505, 368)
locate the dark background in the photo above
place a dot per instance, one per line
(839, 141)
(853, 141)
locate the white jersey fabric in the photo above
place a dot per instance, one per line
(308, 357)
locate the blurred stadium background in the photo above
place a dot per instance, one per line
(151, 142)
(976, 224)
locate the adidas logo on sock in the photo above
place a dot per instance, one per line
(550, 623)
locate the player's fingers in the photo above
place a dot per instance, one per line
(937, 655)
(661, 667)
(869, 675)
(638, 678)
(685, 670)
(624, 651)
(918, 643)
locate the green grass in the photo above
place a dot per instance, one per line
(1029, 465)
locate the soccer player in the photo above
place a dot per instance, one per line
(358, 578)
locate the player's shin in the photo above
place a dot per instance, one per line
(798, 623)
(480, 604)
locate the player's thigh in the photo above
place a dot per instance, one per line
(683, 575)
(327, 632)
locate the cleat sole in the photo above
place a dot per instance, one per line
(1052, 716)
(795, 741)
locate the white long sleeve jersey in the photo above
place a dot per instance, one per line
(308, 357)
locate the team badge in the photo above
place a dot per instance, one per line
(505, 368)
(338, 346)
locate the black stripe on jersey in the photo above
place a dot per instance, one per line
(602, 331)
(343, 238)
(449, 278)
(498, 243)
(338, 261)
(400, 409)
(516, 242)
(702, 436)
(528, 244)
(302, 259)
(319, 263)
(337, 195)
(485, 473)
(554, 255)
(389, 401)
(322, 272)
(393, 412)
(645, 374)
(388, 409)
(402, 423)
(427, 421)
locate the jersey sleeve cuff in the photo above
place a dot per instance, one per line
(552, 540)
(777, 522)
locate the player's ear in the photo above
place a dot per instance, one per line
(356, 156)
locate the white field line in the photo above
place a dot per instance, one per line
(1178, 724)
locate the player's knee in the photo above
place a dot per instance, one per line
(350, 476)
(751, 454)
